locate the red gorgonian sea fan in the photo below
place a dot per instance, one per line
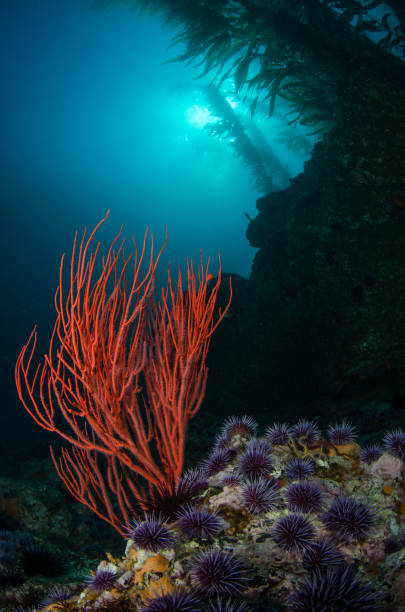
(125, 372)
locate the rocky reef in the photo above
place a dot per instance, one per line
(292, 520)
(317, 328)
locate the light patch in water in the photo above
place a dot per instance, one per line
(199, 116)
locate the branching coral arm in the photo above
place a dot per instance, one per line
(175, 372)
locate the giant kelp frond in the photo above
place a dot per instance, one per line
(300, 51)
(268, 172)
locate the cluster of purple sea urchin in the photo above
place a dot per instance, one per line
(279, 474)
(346, 518)
(222, 454)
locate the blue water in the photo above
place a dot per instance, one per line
(91, 122)
(93, 119)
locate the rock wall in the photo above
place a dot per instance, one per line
(318, 329)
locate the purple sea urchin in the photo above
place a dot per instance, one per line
(279, 434)
(333, 590)
(171, 496)
(152, 534)
(304, 497)
(300, 468)
(260, 495)
(243, 426)
(218, 572)
(217, 461)
(348, 519)
(227, 605)
(342, 433)
(193, 481)
(198, 523)
(221, 443)
(177, 600)
(321, 555)
(293, 532)
(102, 580)
(58, 598)
(306, 432)
(255, 462)
(394, 442)
(371, 453)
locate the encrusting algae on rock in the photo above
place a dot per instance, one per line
(288, 521)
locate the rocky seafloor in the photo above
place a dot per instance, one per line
(292, 520)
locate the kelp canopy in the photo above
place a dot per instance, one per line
(302, 51)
